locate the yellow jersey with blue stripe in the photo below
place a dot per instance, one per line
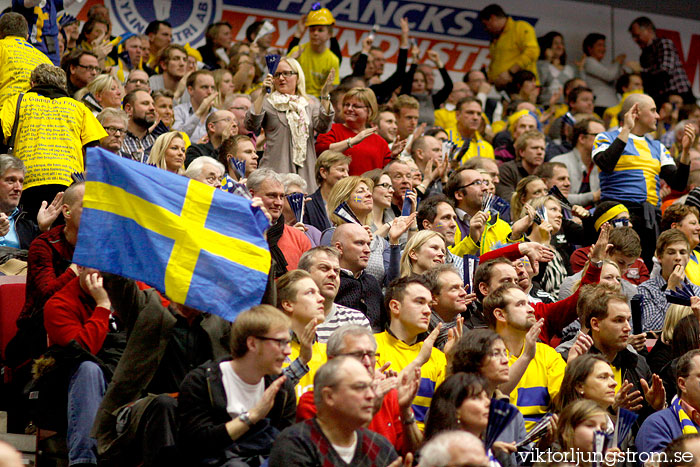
(478, 147)
(692, 269)
(636, 175)
(539, 385)
(432, 374)
(318, 358)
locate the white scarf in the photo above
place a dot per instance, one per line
(295, 108)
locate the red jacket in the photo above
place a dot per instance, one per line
(556, 315)
(386, 421)
(71, 314)
(293, 243)
(50, 254)
(372, 153)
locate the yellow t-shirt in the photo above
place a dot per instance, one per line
(50, 136)
(316, 68)
(539, 385)
(18, 58)
(318, 358)
(432, 374)
(447, 120)
(478, 147)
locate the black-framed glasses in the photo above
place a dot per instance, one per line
(348, 105)
(137, 81)
(113, 130)
(281, 343)
(386, 186)
(90, 67)
(286, 74)
(361, 354)
(475, 182)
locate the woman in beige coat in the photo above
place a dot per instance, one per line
(290, 118)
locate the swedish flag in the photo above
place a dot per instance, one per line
(200, 246)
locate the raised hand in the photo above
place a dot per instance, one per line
(688, 137)
(656, 394)
(582, 345)
(263, 407)
(627, 398)
(49, 212)
(399, 226)
(434, 57)
(96, 290)
(602, 246)
(326, 90)
(631, 117)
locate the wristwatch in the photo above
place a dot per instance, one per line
(325, 98)
(410, 420)
(245, 418)
(598, 264)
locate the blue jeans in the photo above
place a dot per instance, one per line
(85, 391)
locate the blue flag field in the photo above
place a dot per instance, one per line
(200, 246)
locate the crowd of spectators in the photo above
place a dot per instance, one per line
(523, 240)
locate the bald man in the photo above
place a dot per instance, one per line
(358, 289)
(632, 163)
(453, 448)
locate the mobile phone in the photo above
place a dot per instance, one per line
(406, 208)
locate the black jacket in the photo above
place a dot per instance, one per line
(315, 212)
(364, 294)
(27, 230)
(202, 416)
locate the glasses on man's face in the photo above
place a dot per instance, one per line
(361, 354)
(137, 81)
(348, 105)
(113, 130)
(477, 182)
(281, 343)
(286, 74)
(96, 69)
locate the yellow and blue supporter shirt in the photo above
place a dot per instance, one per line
(318, 358)
(636, 175)
(478, 147)
(400, 354)
(539, 385)
(692, 269)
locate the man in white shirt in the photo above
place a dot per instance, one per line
(234, 409)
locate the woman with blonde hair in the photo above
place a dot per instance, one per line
(357, 193)
(527, 188)
(106, 90)
(290, 119)
(356, 137)
(662, 353)
(576, 425)
(551, 274)
(423, 251)
(168, 152)
(223, 79)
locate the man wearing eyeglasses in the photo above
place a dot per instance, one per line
(232, 410)
(344, 396)
(81, 66)
(393, 417)
(115, 122)
(137, 81)
(220, 125)
(477, 231)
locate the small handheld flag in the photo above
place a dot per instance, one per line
(680, 295)
(238, 166)
(501, 413)
(296, 202)
(625, 420)
(272, 60)
(344, 212)
(406, 207)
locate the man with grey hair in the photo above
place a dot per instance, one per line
(17, 56)
(52, 132)
(344, 397)
(287, 244)
(115, 122)
(16, 228)
(394, 420)
(453, 448)
(323, 263)
(207, 170)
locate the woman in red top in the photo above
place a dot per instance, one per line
(356, 137)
